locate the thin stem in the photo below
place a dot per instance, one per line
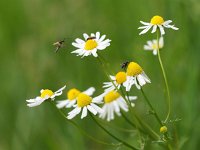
(139, 123)
(116, 138)
(116, 127)
(82, 131)
(152, 133)
(130, 122)
(152, 109)
(165, 79)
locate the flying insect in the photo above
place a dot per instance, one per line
(58, 45)
(125, 64)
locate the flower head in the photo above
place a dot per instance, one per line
(72, 95)
(85, 103)
(117, 81)
(156, 22)
(135, 75)
(90, 44)
(45, 94)
(113, 103)
(153, 45)
(163, 129)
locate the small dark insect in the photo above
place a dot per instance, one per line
(91, 38)
(59, 44)
(125, 64)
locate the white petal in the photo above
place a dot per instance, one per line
(161, 42)
(94, 53)
(37, 102)
(99, 98)
(84, 112)
(76, 110)
(102, 38)
(107, 84)
(141, 80)
(145, 30)
(143, 27)
(147, 47)
(91, 109)
(85, 36)
(79, 41)
(122, 104)
(97, 108)
(162, 31)
(103, 115)
(131, 98)
(77, 45)
(116, 106)
(167, 22)
(154, 29)
(89, 91)
(155, 52)
(145, 23)
(112, 77)
(60, 90)
(71, 103)
(92, 35)
(146, 77)
(62, 103)
(97, 35)
(109, 107)
(111, 112)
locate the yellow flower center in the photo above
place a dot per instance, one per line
(120, 77)
(157, 20)
(46, 92)
(72, 94)
(133, 69)
(90, 44)
(111, 96)
(155, 46)
(83, 100)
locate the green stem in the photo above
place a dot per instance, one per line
(153, 134)
(82, 131)
(165, 79)
(116, 138)
(151, 107)
(130, 122)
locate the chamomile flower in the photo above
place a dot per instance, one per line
(113, 103)
(90, 45)
(45, 95)
(85, 103)
(135, 75)
(72, 94)
(153, 45)
(117, 81)
(156, 22)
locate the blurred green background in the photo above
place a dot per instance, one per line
(28, 63)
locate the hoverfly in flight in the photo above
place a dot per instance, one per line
(58, 45)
